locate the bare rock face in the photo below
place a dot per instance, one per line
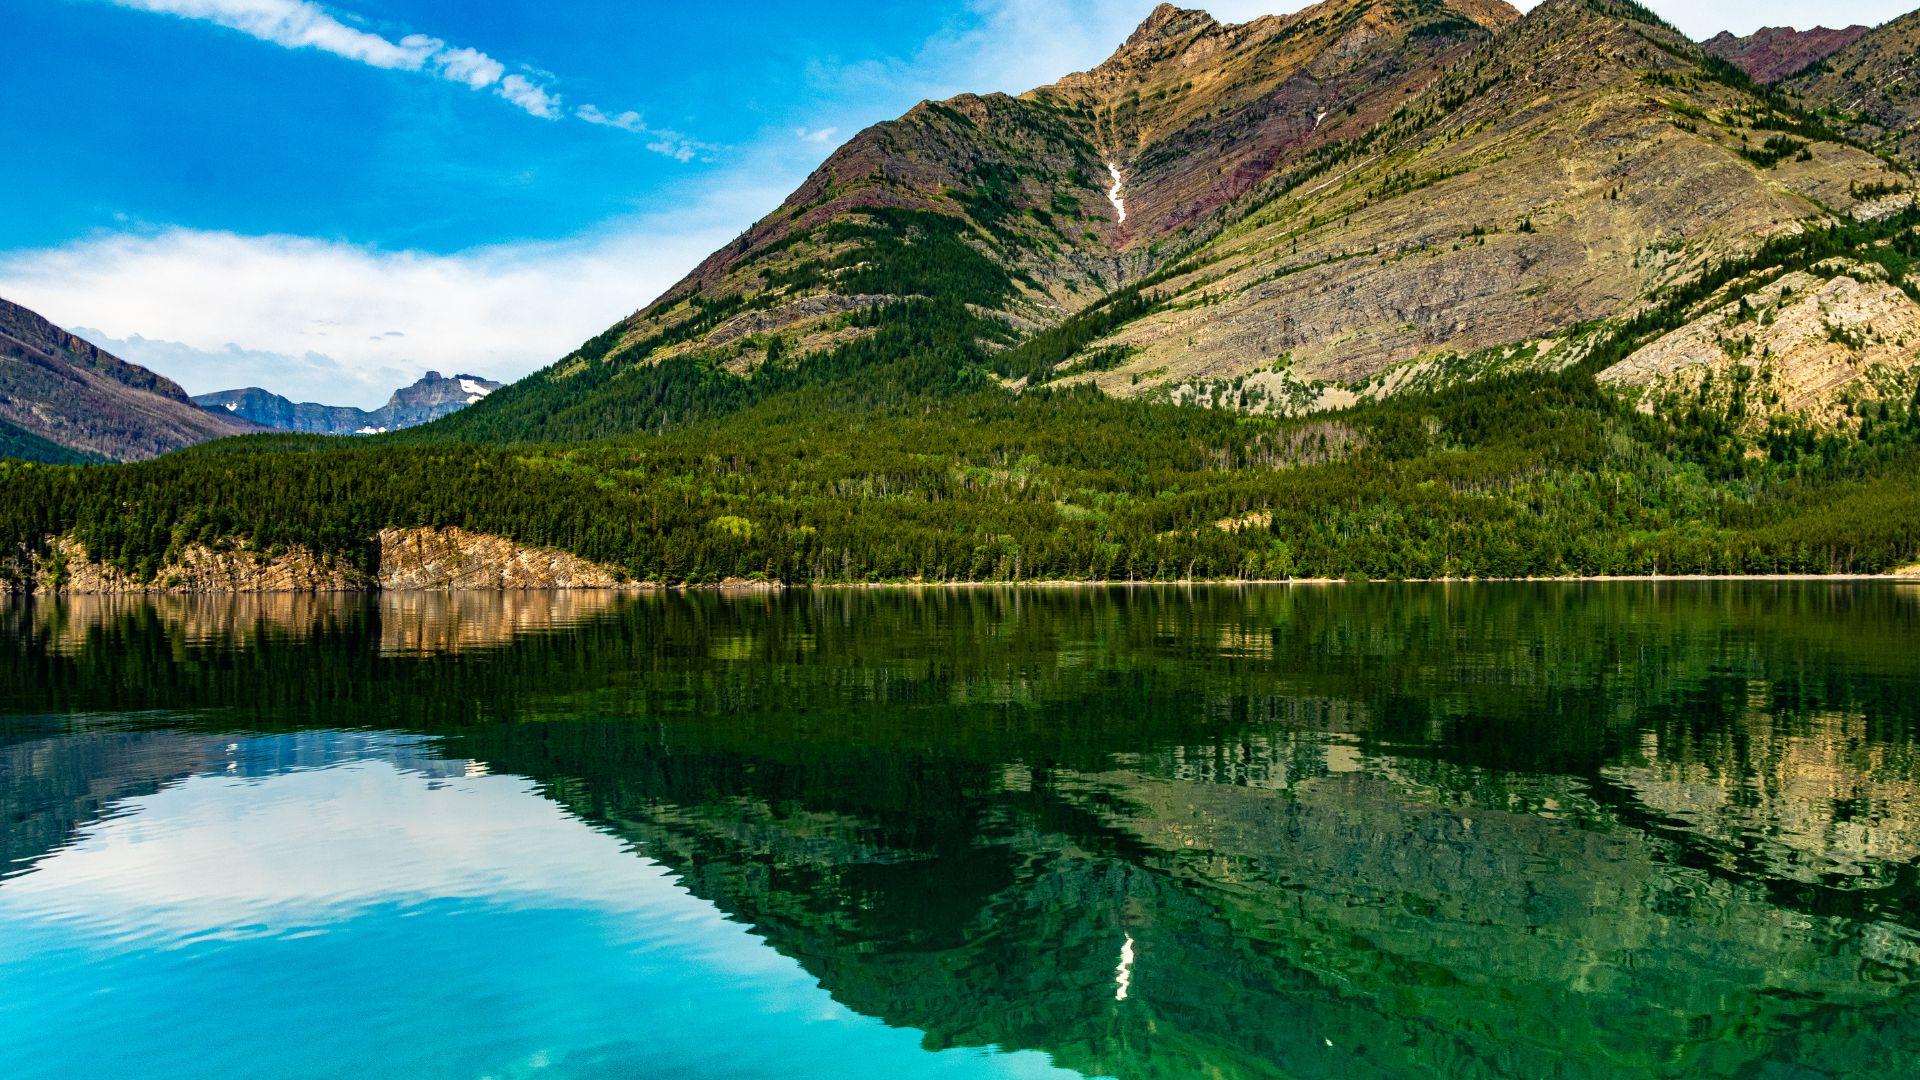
(1870, 86)
(457, 560)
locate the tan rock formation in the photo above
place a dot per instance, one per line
(1803, 347)
(445, 560)
(455, 559)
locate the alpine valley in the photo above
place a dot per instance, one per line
(1384, 288)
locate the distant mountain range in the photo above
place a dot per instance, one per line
(1777, 52)
(433, 397)
(63, 399)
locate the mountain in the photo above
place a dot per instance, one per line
(1869, 87)
(1774, 53)
(57, 389)
(433, 397)
(1384, 288)
(924, 248)
(1296, 212)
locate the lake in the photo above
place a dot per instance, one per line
(1565, 830)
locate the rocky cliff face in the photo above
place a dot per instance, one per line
(1578, 162)
(62, 389)
(408, 560)
(1777, 52)
(433, 397)
(454, 559)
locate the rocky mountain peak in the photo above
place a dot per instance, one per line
(1169, 23)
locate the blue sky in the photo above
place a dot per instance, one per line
(328, 198)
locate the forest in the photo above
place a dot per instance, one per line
(1521, 475)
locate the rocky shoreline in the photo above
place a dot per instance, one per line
(453, 560)
(409, 560)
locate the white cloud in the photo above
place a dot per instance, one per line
(345, 324)
(673, 144)
(297, 24)
(469, 66)
(817, 135)
(626, 121)
(302, 24)
(530, 96)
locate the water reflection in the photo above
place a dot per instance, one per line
(1493, 831)
(409, 624)
(335, 903)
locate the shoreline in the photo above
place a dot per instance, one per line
(741, 588)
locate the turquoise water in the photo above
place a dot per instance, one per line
(1622, 830)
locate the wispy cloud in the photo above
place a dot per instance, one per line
(302, 24)
(815, 135)
(672, 143)
(531, 96)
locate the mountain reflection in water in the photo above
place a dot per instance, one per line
(1383, 831)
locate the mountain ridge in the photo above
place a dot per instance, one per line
(1774, 53)
(1432, 180)
(430, 398)
(64, 390)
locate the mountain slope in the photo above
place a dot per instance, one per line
(1774, 53)
(1870, 87)
(1558, 176)
(927, 246)
(1286, 214)
(429, 399)
(61, 389)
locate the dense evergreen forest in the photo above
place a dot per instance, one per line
(1508, 476)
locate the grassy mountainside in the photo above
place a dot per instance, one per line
(17, 442)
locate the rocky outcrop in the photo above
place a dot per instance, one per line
(1871, 86)
(443, 560)
(454, 559)
(1804, 347)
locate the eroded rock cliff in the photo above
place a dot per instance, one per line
(415, 559)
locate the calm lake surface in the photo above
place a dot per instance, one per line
(1381, 831)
